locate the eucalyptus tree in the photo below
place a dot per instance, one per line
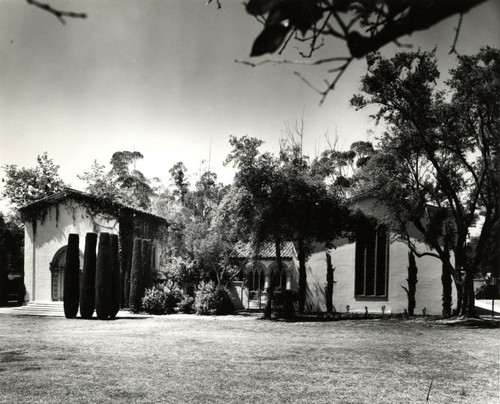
(123, 183)
(132, 181)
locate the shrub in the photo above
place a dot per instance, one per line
(290, 297)
(115, 286)
(212, 299)
(4, 278)
(186, 305)
(72, 277)
(136, 277)
(486, 292)
(103, 277)
(161, 299)
(87, 288)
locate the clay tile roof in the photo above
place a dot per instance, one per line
(82, 196)
(267, 250)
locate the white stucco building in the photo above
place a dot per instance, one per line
(49, 222)
(370, 271)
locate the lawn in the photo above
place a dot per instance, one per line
(189, 359)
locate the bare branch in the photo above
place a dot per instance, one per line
(290, 36)
(59, 14)
(217, 2)
(295, 61)
(457, 34)
(329, 85)
(307, 82)
(337, 78)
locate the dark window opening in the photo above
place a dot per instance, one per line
(371, 262)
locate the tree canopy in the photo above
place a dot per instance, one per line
(281, 199)
(26, 185)
(123, 182)
(436, 167)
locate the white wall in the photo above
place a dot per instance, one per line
(52, 233)
(428, 293)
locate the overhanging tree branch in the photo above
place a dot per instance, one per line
(59, 14)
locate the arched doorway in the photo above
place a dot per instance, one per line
(255, 274)
(57, 266)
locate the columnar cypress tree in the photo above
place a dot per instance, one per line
(412, 283)
(102, 277)
(4, 289)
(115, 277)
(87, 288)
(302, 276)
(329, 283)
(72, 277)
(136, 276)
(146, 259)
(126, 246)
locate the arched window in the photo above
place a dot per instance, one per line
(57, 266)
(279, 277)
(255, 276)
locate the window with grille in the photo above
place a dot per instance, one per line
(372, 257)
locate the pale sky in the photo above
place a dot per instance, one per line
(159, 77)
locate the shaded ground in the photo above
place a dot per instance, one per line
(180, 359)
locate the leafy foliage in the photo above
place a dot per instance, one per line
(212, 299)
(123, 183)
(161, 299)
(186, 305)
(100, 183)
(12, 241)
(441, 148)
(178, 176)
(282, 198)
(25, 185)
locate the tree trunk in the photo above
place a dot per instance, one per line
(329, 283)
(447, 301)
(468, 305)
(270, 289)
(302, 275)
(460, 294)
(447, 291)
(412, 283)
